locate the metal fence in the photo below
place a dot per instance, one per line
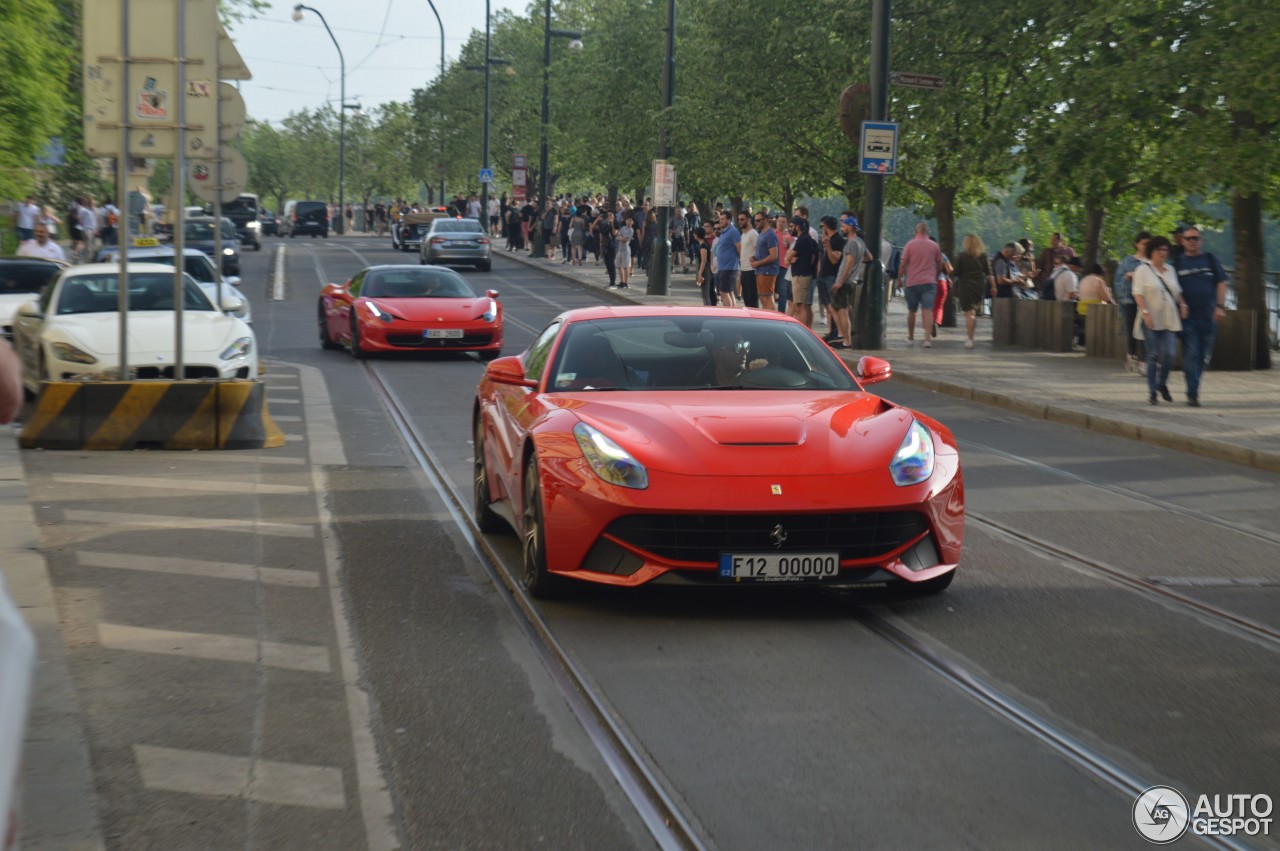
(1271, 281)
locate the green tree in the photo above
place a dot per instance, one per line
(35, 64)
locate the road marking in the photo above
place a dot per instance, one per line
(240, 456)
(275, 386)
(175, 484)
(219, 524)
(325, 445)
(286, 418)
(197, 567)
(223, 648)
(222, 776)
(1212, 582)
(277, 286)
(276, 400)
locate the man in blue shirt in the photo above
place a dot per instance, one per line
(1204, 287)
(765, 261)
(727, 246)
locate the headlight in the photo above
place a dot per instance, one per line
(913, 462)
(237, 349)
(491, 312)
(254, 225)
(68, 352)
(228, 251)
(610, 461)
(377, 312)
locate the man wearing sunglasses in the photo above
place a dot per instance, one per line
(1204, 287)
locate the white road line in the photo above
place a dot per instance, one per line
(223, 776)
(277, 286)
(175, 484)
(223, 648)
(277, 386)
(294, 438)
(240, 456)
(322, 429)
(197, 567)
(255, 527)
(277, 400)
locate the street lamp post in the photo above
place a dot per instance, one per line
(660, 263)
(342, 114)
(441, 81)
(575, 43)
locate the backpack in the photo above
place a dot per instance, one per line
(895, 260)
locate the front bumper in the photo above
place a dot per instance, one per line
(404, 336)
(675, 530)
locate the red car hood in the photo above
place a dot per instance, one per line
(434, 309)
(747, 433)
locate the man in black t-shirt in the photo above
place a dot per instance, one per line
(831, 253)
(803, 260)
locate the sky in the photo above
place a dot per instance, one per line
(391, 47)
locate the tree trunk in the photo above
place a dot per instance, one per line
(1250, 283)
(1095, 217)
(788, 198)
(944, 210)
(855, 186)
(735, 207)
(613, 197)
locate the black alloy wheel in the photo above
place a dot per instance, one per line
(538, 581)
(356, 351)
(326, 342)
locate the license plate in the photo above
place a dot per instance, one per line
(443, 333)
(779, 567)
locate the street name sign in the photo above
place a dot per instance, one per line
(917, 81)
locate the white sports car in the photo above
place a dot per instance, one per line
(73, 331)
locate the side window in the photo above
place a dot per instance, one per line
(356, 284)
(46, 295)
(535, 360)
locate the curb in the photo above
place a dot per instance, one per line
(1221, 450)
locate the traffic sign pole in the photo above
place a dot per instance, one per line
(870, 322)
(122, 190)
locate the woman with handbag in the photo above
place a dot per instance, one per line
(1161, 310)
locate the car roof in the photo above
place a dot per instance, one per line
(153, 251)
(109, 268)
(10, 258)
(586, 314)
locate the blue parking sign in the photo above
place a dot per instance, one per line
(879, 147)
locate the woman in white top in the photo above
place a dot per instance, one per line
(1161, 308)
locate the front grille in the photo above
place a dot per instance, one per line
(703, 537)
(417, 341)
(167, 372)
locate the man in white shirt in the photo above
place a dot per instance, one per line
(42, 246)
(1066, 283)
(28, 212)
(747, 273)
(88, 227)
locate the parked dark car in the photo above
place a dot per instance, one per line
(246, 214)
(307, 217)
(270, 225)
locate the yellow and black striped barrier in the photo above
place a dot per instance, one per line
(151, 415)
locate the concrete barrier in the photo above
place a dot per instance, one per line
(179, 415)
(1004, 321)
(1105, 334)
(1026, 318)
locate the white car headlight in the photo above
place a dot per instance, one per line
(378, 312)
(228, 251)
(913, 462)
(68, 352)
(237, 349)
(610, 461)
(490, 312)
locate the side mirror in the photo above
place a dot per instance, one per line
(508, 370)
(30, 308)
(232, 304)
(491, 293)
(873, 370)
(231, 280)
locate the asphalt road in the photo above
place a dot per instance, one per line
(800, 720)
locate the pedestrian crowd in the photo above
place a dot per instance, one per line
(88, 226)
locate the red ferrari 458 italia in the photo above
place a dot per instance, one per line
(630, 445)
(409, 308)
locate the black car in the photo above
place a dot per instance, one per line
(307, 217)
(270, 225)
(198, 232)
(246, 215)
(21, 280)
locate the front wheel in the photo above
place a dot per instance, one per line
(487, 520)
(538, 581)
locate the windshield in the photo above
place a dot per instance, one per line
(22, 279)
(147, 292)
(198, 266)
(695, 353)
(457, 226)
(245, 204)
(203, 231)
(417, 283)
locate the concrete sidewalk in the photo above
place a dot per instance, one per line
(1240, 420)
